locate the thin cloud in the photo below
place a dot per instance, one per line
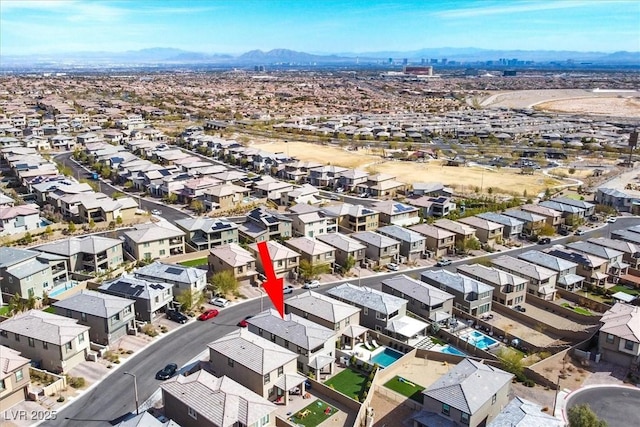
(521, 7)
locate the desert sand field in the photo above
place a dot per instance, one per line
(620, 107)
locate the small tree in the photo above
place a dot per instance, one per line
(92, 223)
(197, 206)
(16, 304)
(349, 263)
(511, 361)
(119, 220)
(310, 271)
(224, 282)
(171, 198)
(48, 231)
(190, 299)
(27, 238)
(71, 228)
(583, 416)
(546, 230)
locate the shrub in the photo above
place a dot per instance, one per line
(150, 330)
(61, 399)
(528, 383)
(76, 382)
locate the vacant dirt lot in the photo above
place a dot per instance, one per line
(620, 107)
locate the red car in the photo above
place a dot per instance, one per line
(243, 323)
(209, 314)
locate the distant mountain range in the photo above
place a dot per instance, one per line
(160, 55)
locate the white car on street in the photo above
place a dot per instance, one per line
(156, 212)
(220, 302)
(312, 284)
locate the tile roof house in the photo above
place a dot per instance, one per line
(325, 176)
(589, 208)
(439, 242)
(396, 213)
(353, 218)
(285, 260)
(18, 219)
(511, 227)
(314, 343)
(207, 233)
(541, 281)
(87, 253)
(257, 363)
(566, 270)
(570, 214)
(470, 394)
(263, 224)
(532, 223)
(313, 224)
(462, 231)
(323, 310)
(108, 316)
(631, 251)
(427, 301)
(619, 336)
(154, 240)
(202, 399)
(183, 278)
(232, 257)
(470, 295)
(488, 232)
(345, 247)
(380, 249)
(592, 268)
(145, 419)
(523, 413)
(412, 243)
(553, 217)
(150, 297)
(55, 343)
(14, 377)
(622, 201)
(224, 196)
(508, 289)
(433, 206)
(616, 267)
(313, 251)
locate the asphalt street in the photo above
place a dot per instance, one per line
(618, 406)
(169, 213)
(114, 397)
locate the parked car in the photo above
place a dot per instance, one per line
(563, 232)
(209, 314)
(243, 323)
(442, 262)
(611, 220)
(311, 284)
(219, 302)
(544, 241)
(156, 212)
(167, 372)
(176, 316)
(287, 289)
(520, 308)
(393, 266)
(579, 232)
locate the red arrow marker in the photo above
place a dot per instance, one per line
(273, 285)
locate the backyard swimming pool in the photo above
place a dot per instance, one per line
(480, 340)
(386, 357)
(451, 350)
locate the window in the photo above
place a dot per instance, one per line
(286, 344)
(366, 311)
(83, 317)
(264, 420)
(147, 256)
(19, 375)
(446, 409)
(81, 338)
(347, 321)
(4, 334)
(32, 342)
(2, 386)
(628, 345)
(45, 345)
(17, 337)
(464, 418)
(494, 398)
(267, 378)
(230, 361)
(610, 339)
(161, 241)
(145, 245)
(280, 371)
(127, 310)
(192, 413)
(162, 252)
(68, 346)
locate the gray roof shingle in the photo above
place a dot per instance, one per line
(295, 329)
(43, 326)
(363, 296)
(95, 303)
(322, 306)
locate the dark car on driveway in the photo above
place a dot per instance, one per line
(176, 316)
(544, 241)
(167, 372)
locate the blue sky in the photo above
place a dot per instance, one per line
(317, 26)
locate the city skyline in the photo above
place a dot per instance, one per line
(234, 27)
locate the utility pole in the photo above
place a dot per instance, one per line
(135, 390)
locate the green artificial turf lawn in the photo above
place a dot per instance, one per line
(316, 414)
(413, 392)
(348, 382)
(195, 262)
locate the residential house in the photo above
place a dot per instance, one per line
(470, 295)
(183, 278)
(325, 176)
(54, 343)
(298, 171)
(224, 196)
(412, 243)
(592, 268)
(349, 179)
(433, 206)
(631, 251)
(589, 208)
(508, 289)
(566, 270)
(523, 413)
(622, 201)
(541, 281)
(14, 377)
(313, 251)
(31, 273)
(463, 232)
(380, 311)
(19, 219)
(263, 225)
(155, 240)
(532, 223)
(285, 261)
(571, 215)
(206, 233)
(107, 209)
(428, 302)
(553, 217)
(382, 185)
(619, 336)
(203, 400)
(511, 227)
(314, 343)
(345, 248)
(232, 257)
(272, 189)
(69, 205)
(353, 218)
(487, 232)
(433, 189)
(325, 311)
(616, 266)
(626, 236)
(108, 317)
(87, 253)
(470, 394)
(150, 298)
(258, 364)
(380, 249)
(439, 241)
(305, 194)
(391, 212)
(313, 223)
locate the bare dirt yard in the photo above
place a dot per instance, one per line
(614, 106)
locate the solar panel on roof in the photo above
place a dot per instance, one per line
(271, 220)
(156, 286)
(173, 270)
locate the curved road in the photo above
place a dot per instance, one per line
(113, 397)
(618, 406)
